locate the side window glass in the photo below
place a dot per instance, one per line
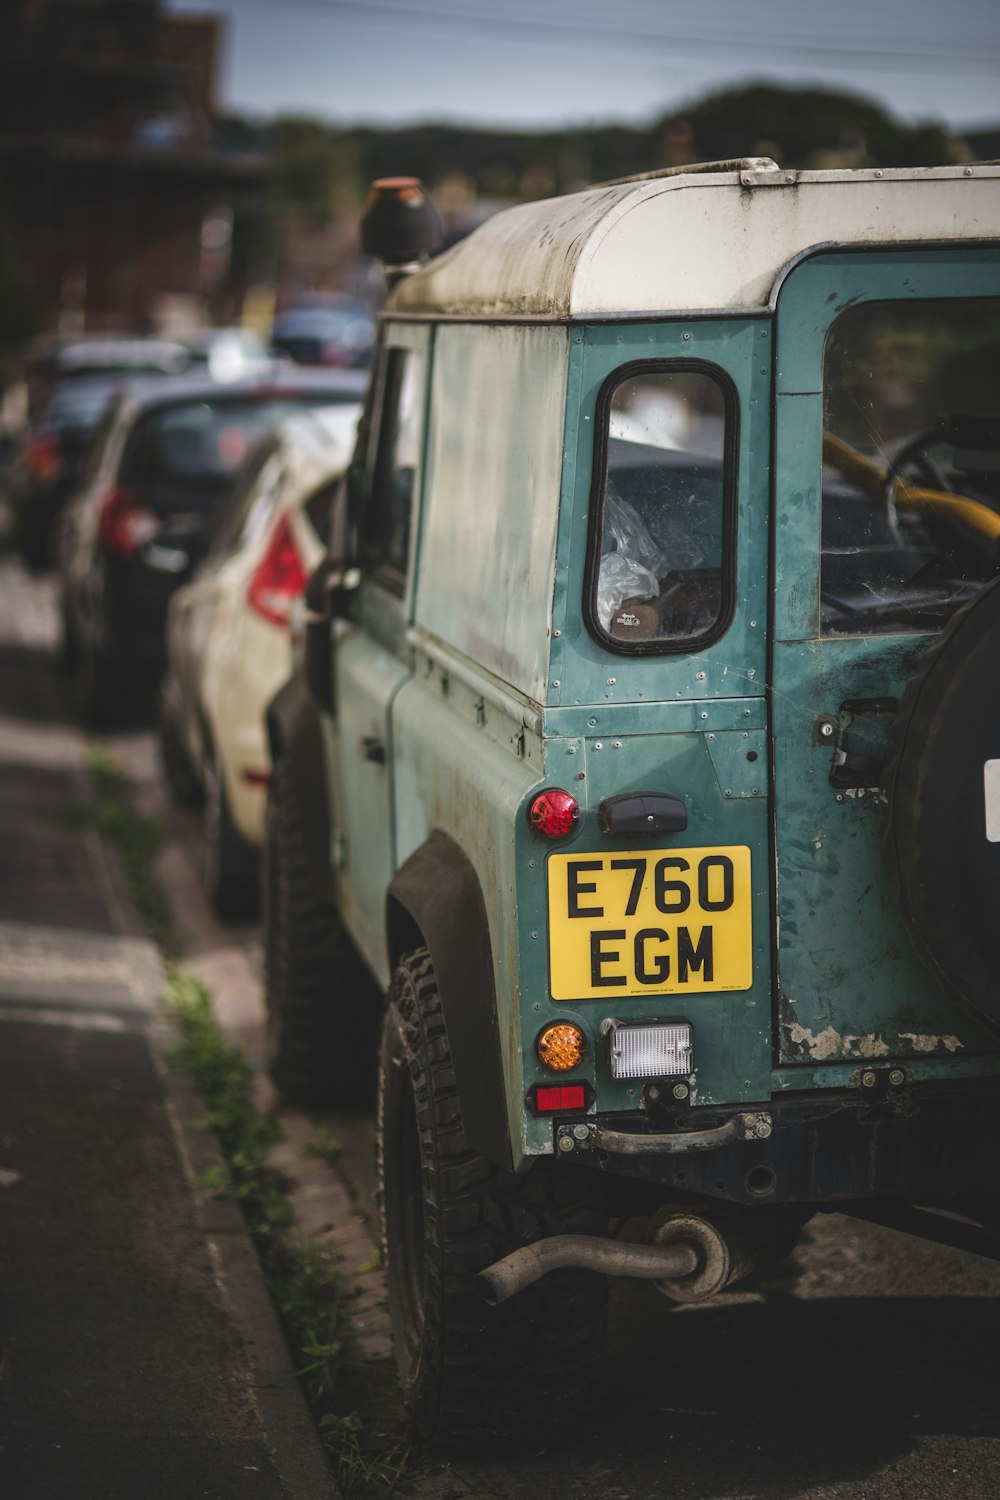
(319, 508)
(385, 526)
(911, 463)
(261, 501)
(662, 563)
(230, 519)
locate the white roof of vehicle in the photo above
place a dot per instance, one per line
(691, 239)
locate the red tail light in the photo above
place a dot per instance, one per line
(280, 577)
(41, 457)
(554, 813)
(126, 524)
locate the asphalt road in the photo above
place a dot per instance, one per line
(863, 1368)
(124, 1371)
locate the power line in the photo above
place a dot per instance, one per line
(876, 55)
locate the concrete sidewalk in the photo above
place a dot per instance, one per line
(139, 1353)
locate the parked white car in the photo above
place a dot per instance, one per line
(229, 639)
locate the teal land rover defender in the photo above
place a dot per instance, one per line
(645, 754)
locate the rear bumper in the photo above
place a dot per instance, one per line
(928, 1141)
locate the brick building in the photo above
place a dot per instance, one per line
(120, 189)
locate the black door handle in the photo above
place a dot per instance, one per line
(369, 748)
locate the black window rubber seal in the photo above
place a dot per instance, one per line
(691, 645)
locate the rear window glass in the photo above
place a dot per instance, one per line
(661, 551)
(911, 463)
(81, 403)
(203, 440)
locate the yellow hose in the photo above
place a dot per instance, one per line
(869, 477)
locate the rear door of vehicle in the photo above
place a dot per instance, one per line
(371, 658)
(874, 350)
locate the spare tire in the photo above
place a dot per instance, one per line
(937, 816)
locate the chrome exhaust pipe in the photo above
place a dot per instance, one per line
(690, 1258)
(589, 1252)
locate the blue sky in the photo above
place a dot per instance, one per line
(526, 63)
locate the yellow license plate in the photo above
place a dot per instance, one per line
(649, 923)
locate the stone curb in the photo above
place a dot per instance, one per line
(298, 1454)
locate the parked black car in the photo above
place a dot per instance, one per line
(339, 332)
(71, 386)
(157, 476)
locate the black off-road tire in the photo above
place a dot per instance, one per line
(471, 1373)
(178, 772)
(230, 870)
(68, 647)
(323, 1006)
(99, 690)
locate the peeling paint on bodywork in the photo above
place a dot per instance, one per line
(920, 1043)
(871, 1045)
(826, 1044)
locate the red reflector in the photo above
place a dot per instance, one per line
(41, 457)
(125, 523)
(549, 1099)
(280, 577)
(554, 813)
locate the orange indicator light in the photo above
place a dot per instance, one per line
(561, 1047)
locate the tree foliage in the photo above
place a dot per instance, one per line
(804, 127)
(318, 168)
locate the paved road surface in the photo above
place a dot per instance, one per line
(123, 1373)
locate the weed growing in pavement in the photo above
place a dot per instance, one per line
(324, 1146)
(138, 837)
(302, 1276)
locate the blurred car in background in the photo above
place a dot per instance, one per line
(340, 331)
(229, 640)
(162, 467)
(70, 387)
(227, 354)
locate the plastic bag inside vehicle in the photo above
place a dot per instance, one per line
(659, 570)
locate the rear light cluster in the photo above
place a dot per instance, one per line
(126, 524)
(654, 1049)
(550, 1099)
(561, 1047)
(41, 457)
(554, 813)
(279, 578)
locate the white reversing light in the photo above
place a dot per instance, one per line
(658, 1049)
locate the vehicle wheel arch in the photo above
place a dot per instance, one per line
(435, 900)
